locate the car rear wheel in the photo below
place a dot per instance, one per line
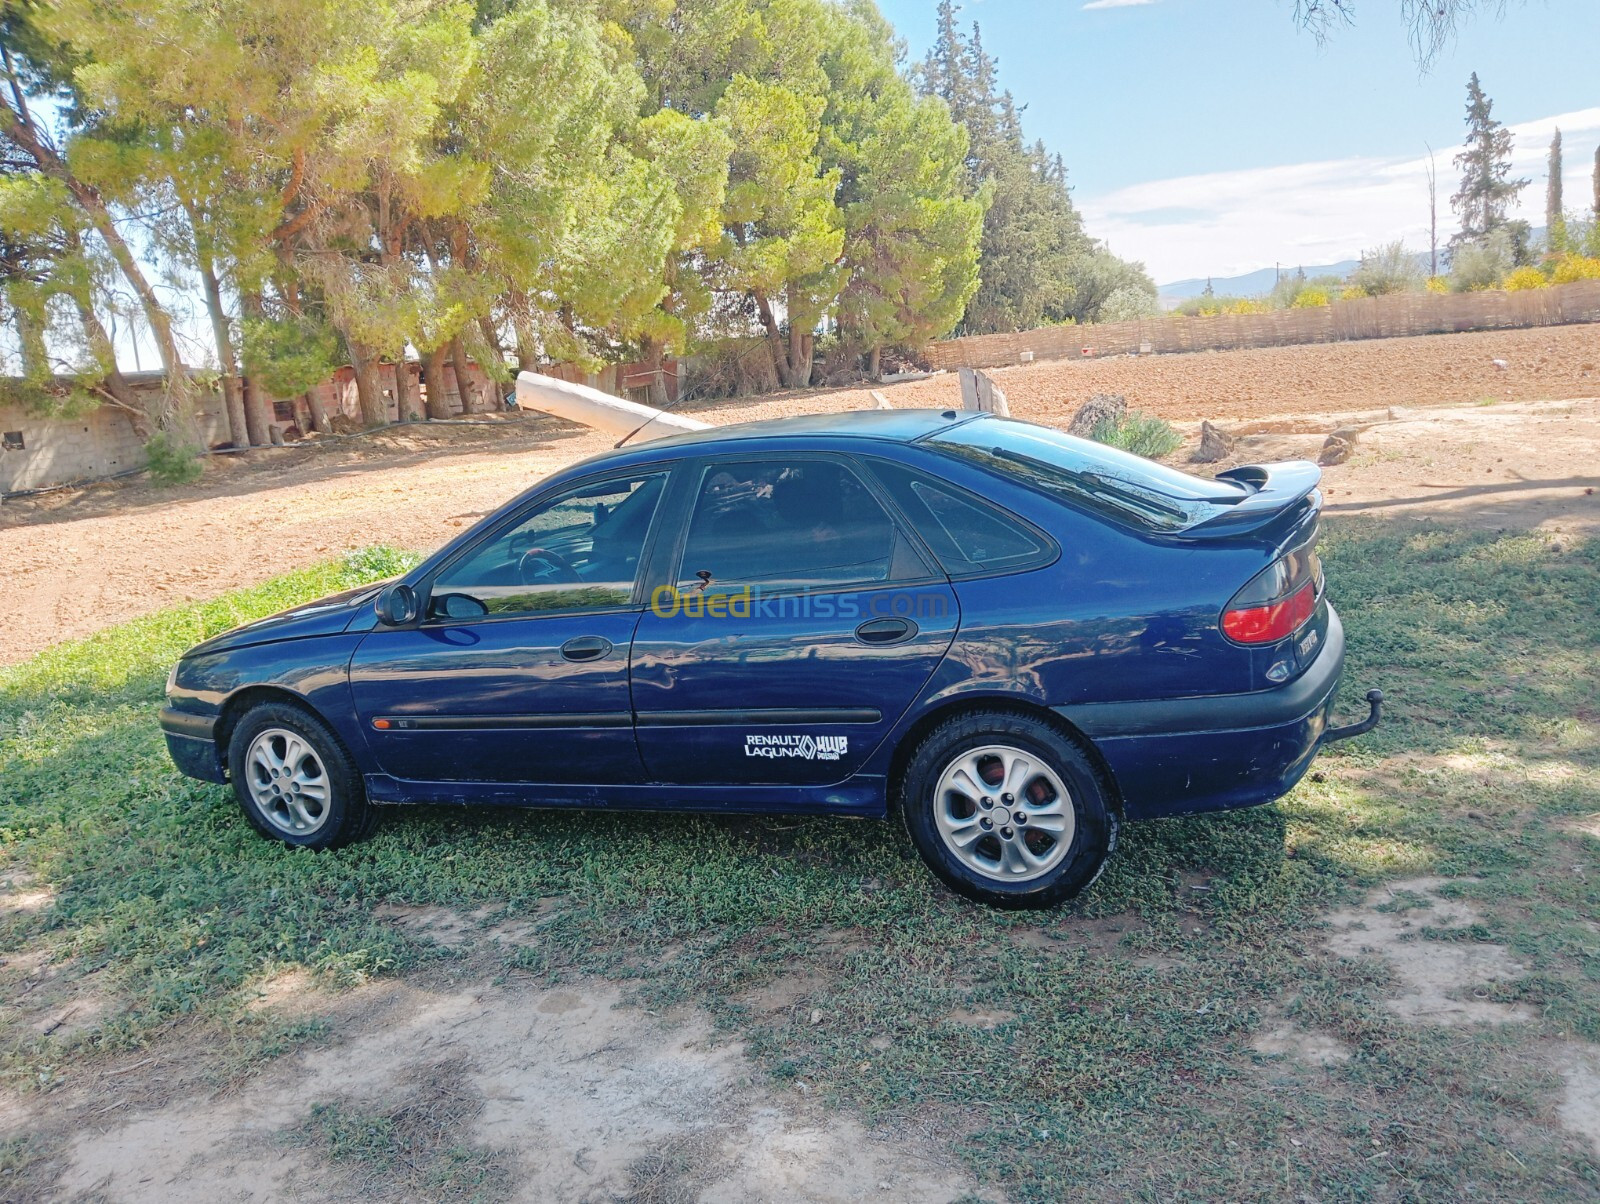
(1007, 810)
(295, 781)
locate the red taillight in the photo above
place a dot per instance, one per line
(1271, 621)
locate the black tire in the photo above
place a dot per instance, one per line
(345, 816)
(977, 742)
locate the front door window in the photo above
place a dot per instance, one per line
(578, 551)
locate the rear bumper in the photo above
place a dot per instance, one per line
(192, 744)
(1179, 756)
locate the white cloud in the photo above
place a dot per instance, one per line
(1227, 223)
(1094, 4)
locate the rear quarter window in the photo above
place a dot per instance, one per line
(968, 535)
(1114, 484)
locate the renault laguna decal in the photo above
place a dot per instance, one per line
(811, 748)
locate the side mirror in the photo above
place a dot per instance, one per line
(397, 605)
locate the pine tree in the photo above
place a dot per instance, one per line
(1036, 263)
(1554, 222)
(1487, 190)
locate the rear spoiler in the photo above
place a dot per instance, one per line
(1275, 489)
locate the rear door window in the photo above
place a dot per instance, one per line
(969, 536)
(791, 523)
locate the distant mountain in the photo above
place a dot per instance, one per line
(1251, 284)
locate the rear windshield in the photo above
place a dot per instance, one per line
(1119, 485)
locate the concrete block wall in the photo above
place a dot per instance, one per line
(101, 443)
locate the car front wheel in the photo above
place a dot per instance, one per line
(1007, 810)
(295, 781)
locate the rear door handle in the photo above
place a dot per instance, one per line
(586, 648)
(885, 631)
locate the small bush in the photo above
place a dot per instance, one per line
(1437, 284)
(1387, 269)
(1572, 268)
(1139, 433)
(1523, 279)
(171, 462)
(1311, 298)
(1208, 307)
(1483, 264)
(377, 562)
(1352, 292)
(1128, 303)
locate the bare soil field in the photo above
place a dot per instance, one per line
(1439, 425)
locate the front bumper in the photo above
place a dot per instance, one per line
(1180, 756)
(192, 744)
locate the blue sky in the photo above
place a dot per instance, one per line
(1211, 137)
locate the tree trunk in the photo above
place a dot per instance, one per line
(176, 414)
(654, 353)
(177, 411)
(319, 415)
(369, 386)
(232, 403)
(780, 353)
(875, 364)
(469, 395)
(113, 385)
(433, 369)
(257, 406)
(406, 403)
(799, 356)
(527, 346)
(491, 336)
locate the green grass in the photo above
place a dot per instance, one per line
(419, 1149)
(1120, 1064)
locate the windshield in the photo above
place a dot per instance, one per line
(1117, 484)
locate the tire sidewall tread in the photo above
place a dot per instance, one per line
(1095, 829)
(353, 818)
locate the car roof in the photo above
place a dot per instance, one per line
(889, 426)
(896, 426)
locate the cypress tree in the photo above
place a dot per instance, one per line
(1487, 189)
(1555, 223)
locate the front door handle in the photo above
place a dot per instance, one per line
(586, 648)
(886, 631)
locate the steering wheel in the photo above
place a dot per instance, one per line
(564, 572)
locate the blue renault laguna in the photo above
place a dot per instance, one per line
(1019, 638)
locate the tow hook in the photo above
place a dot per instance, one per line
(1375, 701)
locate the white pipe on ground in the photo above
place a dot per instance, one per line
(614, 415)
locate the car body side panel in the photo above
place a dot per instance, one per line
(495, 700)
(862, 795)
(746, 700)
(1216, 752)
(1113, 635)
(314, 671)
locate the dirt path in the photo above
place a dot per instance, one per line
(76, 561)
(497, 1092)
